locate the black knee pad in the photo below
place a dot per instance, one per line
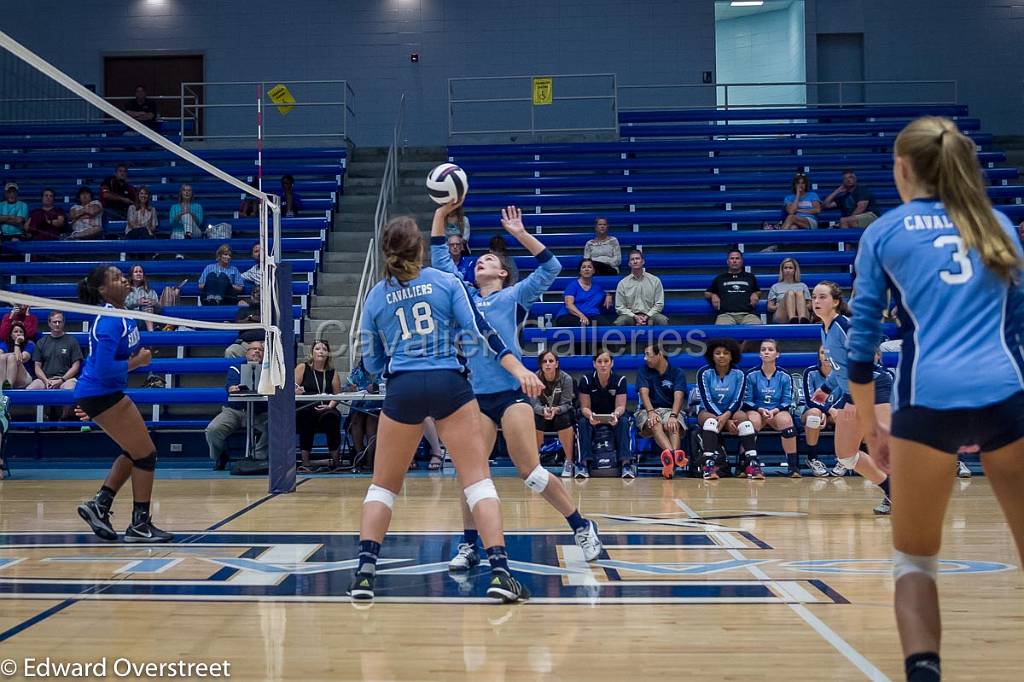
(126, 456)
(789, 432)
(147, 463)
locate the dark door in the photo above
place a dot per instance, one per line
(841, 58)
(160, 75)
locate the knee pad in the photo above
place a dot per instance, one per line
(710, 424)
(480, 491)
(789, 432)
(814, 422)
(126, 456)
(375, 493)
(850, 462)
(905, 564)
(745, 428)
(538, 479)
(147, 463)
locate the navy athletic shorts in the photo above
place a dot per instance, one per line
(990, 427)
(494, 404)
(413, 396)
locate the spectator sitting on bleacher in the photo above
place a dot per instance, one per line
(232, 418)
(248, 311)
(456, 223)
(141, 296)
(552, 409)
(734, 293)
(291, 203)
(662, 390)
(117, 194)
(249, 208)
(252, 275)
(789, 299)
(316, 376)
(13, 214)
(20, 314)
(86, 217)
(16, 351)
(186, 216)
(586, 302)
(463, 263)
(603, 393)
(639, 296)
(767, 401)
(499, 248)
(142, 218)
(48, 221)
(855, 202)
(57, 357)
(816, 415)
(603, 249)
(721, 387)
(142, 109)
(221, 282)
(802, 206)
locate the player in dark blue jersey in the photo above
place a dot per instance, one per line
(768, 399)
(415, 325)
(953, 265)
(722, 387)
(816, 416)
(114, 351)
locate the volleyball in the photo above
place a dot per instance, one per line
(447, 183)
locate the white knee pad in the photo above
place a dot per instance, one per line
(711, 424)
(850, 462)
(905, 564)
(814, 422)
(479, 491)
(745, 429)
(377, 494)
(538, 479)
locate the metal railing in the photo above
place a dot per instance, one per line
(572, 109)
(228, 110)
(69, 109)
(382, 213)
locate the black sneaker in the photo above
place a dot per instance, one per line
(146, 532)
(506, 589)
(361, 588)
(98, 520)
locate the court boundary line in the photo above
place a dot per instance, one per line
(824, 631)
(38, 618)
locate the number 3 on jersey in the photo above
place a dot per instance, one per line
(960, 257)
(422, 319)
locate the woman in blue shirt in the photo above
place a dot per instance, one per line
(114, 351)
(586, 302)
(768, 398)
(722, 387)
(221, 282)
(816, 415)
(802, 206)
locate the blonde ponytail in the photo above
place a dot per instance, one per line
(944, 160)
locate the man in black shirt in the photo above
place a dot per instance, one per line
(142, 110)
(117, 194)
(603, 394)
(734, 293)
(855, 202)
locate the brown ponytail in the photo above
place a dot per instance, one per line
(944, 161)
(402, 245)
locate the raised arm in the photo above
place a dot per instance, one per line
(530, 289)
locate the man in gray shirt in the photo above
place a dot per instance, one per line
(57, 357)
(640, 297)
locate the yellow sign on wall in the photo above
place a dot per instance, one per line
(282, 97)
(542, 92)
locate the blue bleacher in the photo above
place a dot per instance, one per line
(148, 246)
(678, 333)
(710, 261)
(191, 268)
(809, 112)
(845, 128)
(205, 313)
(560, 240)
(70, 290)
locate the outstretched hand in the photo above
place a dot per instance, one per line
(512, 219)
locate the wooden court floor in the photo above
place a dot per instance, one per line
(780, 580)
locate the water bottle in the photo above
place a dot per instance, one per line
(382, 386)
(547, 320)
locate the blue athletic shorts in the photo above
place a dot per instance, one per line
(494, 404)
(990, 427)
(413, 396)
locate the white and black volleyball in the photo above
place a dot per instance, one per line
(447, 183)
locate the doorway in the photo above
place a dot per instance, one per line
(161, 75)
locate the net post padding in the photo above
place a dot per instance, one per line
(281, 407)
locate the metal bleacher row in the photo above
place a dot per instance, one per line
(66, 156)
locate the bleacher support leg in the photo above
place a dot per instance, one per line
(281, 410)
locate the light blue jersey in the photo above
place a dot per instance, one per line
(500, 309)
(813, 380)
(763, 393)
(721, 394)
(834, 341)
(415, 326)
(959, 323)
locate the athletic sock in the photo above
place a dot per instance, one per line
(368, 552)
(140, 512)
(576, 521)
(793, 460)
(470, 536)
(884, 485)
(923, 667)
(499, 559)
(105, 498)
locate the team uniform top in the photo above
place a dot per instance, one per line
(834, 341)
(500, 309)
(721, 394)
(763, 393)
(415, 325)
(956, 315)
(813, 380)
(112, 341)
(883, 384)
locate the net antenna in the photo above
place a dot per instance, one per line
(273, 373)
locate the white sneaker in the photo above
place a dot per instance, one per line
(589, 541)
(567, 470)
(817, 468)
(581, 471)
(884, 508)
(839, 470)
(629, 471)
(466, 558)
(962, 470)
